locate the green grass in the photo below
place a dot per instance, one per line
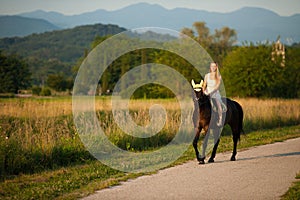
(39, 143)
(42, 156)
(294, 191)
(81, 180)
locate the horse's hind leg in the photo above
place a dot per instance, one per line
(235, 141)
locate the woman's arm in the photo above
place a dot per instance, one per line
(218, 83)
(204, 83)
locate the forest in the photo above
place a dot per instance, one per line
(50, 61)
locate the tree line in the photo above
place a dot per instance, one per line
(247, 70)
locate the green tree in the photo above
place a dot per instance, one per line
(217, 44)
(45, 91)
(14, 74)
(249, 71)
(203, 34)
(36, 90)
(223, 41)
(189, 32)
(59, 82)
(288, 85)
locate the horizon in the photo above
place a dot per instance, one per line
(52, 11)
(9, 8)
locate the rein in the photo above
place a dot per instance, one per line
(201, 103)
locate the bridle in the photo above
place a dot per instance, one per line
(201, 102)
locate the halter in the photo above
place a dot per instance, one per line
(202, 102)
(198, 88)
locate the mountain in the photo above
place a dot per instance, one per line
(53, 17)
(11, 26)
(65, 45)
(56, 51)
(251, 24)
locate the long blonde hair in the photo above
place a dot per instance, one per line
(217, 71)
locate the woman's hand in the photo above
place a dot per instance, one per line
(206, 93)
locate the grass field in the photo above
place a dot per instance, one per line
(40, 148)
(294, 190)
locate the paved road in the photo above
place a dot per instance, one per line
(264, 172)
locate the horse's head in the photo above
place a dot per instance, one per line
(198, 89)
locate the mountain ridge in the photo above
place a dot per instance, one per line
(22, 26)
(56, 51)
(251, 23)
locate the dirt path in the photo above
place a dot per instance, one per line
(264, 172)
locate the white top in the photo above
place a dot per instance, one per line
(210, 84)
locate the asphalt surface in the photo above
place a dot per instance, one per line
(264, 172)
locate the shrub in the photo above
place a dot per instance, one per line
(36, 90)
(45, 91)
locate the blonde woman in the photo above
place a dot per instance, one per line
(211, 85)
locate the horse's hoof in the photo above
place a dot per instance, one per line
(211, 160)
(232, 159)
(201, 162)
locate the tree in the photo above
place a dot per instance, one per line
(188, 31)
(217, 44)
(59, 83)
(14, 74)
(223, 41)
(203, 34)
(36, 90)
(288, 85)
(45, 91)
(225, 37)
(249, 71)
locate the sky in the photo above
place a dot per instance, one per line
(71, 7)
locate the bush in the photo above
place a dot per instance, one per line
(248, 71)
(36, 90)
(45, 91)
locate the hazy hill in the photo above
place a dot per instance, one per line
(20, 26)
(65, 45)
(56, 51)
(252, 24)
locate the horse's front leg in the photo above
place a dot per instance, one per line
(204, 146)
(195, 142)
(216, 133)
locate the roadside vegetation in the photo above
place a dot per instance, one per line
(41, 154)
(294, 190)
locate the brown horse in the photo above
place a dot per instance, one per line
(205, 118)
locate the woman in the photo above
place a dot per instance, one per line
(211, 86)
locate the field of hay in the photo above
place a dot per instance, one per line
(39, 134)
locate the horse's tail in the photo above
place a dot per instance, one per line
(241, 118)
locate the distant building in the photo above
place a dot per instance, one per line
(278, 50)
(24, 93)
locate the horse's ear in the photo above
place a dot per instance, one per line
(193, 83)
(201, 83)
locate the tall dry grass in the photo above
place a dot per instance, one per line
(263, 110)
(38, 134)
(269, 113)
(51, 107)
